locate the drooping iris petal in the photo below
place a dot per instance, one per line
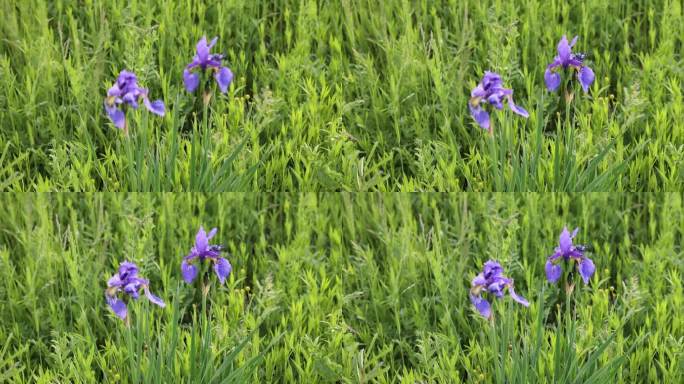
(154, 299)
(188, 271)
(190, 80)
(156, 107)
(222, 269)
(516, 108)
(481, 116)
(116, 116)
(586, 269)
(517, 298)
(586, 77)
(552, 80)
(553, 271)
(481, 305)
(118, 306)
(223, 78)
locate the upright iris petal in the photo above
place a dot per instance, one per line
(492, 280)
(566, 61)
(207, 61)
(568, 252)
(491, 91)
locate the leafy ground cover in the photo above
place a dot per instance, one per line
(341, 288)
(341, 95)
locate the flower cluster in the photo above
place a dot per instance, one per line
(492, 280)
(207, 62)
(566, 251)
(203, 251)
(126, 92)
(491, 91)
(566, 60)
(127, 282)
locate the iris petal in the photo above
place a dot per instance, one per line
(517, 298)
(516, 108)
(552, 80)
(116, 116)
(188, 271)
(586, 78)
(481, 305)
(156, 107)
(586, 269)
(553, 272)
(154, 299)
(222, 269)
(190, 80)
(118, 306)
(565, 241)
(480, 115)
(224, 77)
(564, 49)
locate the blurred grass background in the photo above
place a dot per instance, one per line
(347, 287)
(341, 95)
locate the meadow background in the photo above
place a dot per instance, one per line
(341, 95)
(341, 288)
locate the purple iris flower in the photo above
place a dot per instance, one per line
(493, 281)
(567, 251)
(491, 90)
(568, 60)
(127, 92)
(207, 61)
(126, 280)
(204, 251)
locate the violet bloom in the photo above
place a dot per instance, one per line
(207, 62)
(491, 90)
(126, 92)
(568, 60)
(204, 251)
(126, 280)
(566, 251)
(493, 281)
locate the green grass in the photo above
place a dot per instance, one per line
(341, 95)
(341, 288)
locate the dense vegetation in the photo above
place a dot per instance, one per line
(341, 288)
(341, 95)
